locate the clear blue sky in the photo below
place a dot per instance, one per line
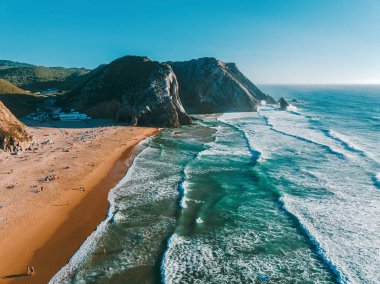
(272, 41)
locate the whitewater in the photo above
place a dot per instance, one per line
(264, 197)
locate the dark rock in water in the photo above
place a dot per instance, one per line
(294, 101)
(283, 104)
(132, 89)
(13, 134)
(207, 85)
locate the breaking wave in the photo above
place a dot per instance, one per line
(256, 155)
(343, 140)
(330, 149)
(293, 109)
(307, 228)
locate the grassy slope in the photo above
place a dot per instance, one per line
(39, 78)
(17, 100)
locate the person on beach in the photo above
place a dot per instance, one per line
(31, 271)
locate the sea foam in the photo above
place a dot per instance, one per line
(296, 126)
(314, 239)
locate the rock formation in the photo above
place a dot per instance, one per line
(13, 134)
(283, 104)
(131, 89)
(139, 91)
(207, 85)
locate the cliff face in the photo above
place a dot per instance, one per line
(143, 92)
(12, 131)
(208, 85)
(131, 89)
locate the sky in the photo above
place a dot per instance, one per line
(272, 41)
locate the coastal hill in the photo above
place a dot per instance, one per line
(40, 78)
(208, 85)
(131, 89)
(7, 88)
(9, 63)
(18, 101)
(137, 90)
(144, 92)
(12, 131)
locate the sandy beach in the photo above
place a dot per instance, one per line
(53, 197)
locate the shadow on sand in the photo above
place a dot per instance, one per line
(15, 276)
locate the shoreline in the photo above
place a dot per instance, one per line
(54, 238)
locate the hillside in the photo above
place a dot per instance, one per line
(208, 85)
(9, 63)
(17, 100)
(8, 88)
(40, 78)
(131, 89)
(12, 132)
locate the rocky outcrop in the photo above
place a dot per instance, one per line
(207, 85)
(143, 92)
(283, 104)
(13, 134)
(132, 89)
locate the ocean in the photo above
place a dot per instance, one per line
(264, 197)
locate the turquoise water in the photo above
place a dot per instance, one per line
(274, 196)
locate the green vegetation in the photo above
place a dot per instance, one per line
(9, 63)
(19, 102)
(40, 78)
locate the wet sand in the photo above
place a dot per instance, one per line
(44, 228)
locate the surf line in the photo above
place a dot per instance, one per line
(341, 277)
(256, 155)
(181, 205)
(328, 148)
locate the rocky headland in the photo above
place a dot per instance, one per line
(208, 85)
(131, 89)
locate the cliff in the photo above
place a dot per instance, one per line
(132, 89)
(207, 85)
(12, 131)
